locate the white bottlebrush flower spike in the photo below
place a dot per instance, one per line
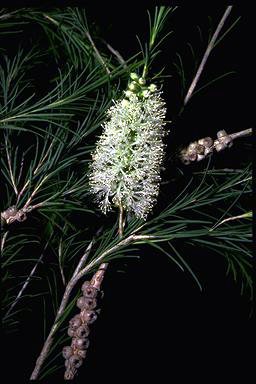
(126, 163)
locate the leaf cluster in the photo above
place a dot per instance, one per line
(47, 133)
(49, 128)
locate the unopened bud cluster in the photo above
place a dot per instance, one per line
(126, 163)
(79, 330)
(137, 86)
(198, 150)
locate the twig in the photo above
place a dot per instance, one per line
(41, 161)
(246, 132)
(21, 169)
(75, 278)
(97, 52)
(51, 19)
(6, 15)
(123, 242)
(10, 168)
(79, 325)
(89, 38)
(243, 216)
(121, 223)
(28, 279)
(75, 353)
(35, 172)
(35, 191)
(3, 241)
(116, 53)
(207, 53)
(59, 257)
(49, 340)
(84, 258)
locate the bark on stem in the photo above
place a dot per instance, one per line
(235, 135)
(206, 55)
(49, 340)
(96, 279)
(75, 353)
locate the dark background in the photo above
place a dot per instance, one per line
(154, 319)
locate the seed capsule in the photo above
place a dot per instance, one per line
(81, 301)
(75, 361)
(88, 316)
(80, 343)
(82, 331)
(75, 322)
(71, 332)
(67, 352)
(81, 353)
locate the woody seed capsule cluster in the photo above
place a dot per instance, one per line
(12, 214)
(126, 163)
(79, 330)
(198, 150)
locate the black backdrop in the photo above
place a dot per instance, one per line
(154, 319)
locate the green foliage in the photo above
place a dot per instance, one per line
(48, 133)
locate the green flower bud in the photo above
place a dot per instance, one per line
(133, 86)
(134, 76)
(152, 87)
(129, 94)
(142, 81)
(145, 93)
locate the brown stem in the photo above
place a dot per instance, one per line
(99, 274)
(121, 223)
(3, 238)
(85, 314)
(10, 168)
(206, 55)
(49, 340)
(235, 135)
(116, 53)
(97, 52)
(96, 279)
